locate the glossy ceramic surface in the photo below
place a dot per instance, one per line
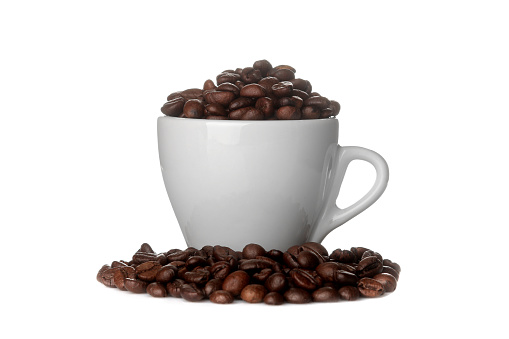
(269, 182)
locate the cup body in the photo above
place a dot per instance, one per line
(232, 183)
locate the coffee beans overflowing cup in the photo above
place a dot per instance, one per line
(299, 275)
(260, 92)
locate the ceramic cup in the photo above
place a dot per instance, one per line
(274, 183)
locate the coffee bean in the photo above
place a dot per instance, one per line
(288, 113)
(252, 114)
(173, 107)
(370, 288)
(174, 95)
(391, 271)
(285, 67)
(311, 112)
(297, 296)
(274, 298)
(219, 97)
(195, 261)
(223, 253)
(191, 292)
(253, 293)
(208, 85)
(107, 276)
(146, 248)
(282, 89)
(193, 109)
(320, 102)
(227, 77)
(177, 256)
(345, 278)
(358, 251)
(215, 110)
(101, 271)
(303, 279)
(148, 271)
(253, 91)
(239, 113)
(263, 275)
(275, 255)
(121, 274)
(212, 285)
(276, 282)
(135, 285)
(228, 87)
(388, 281)
(343, 256)
(307, 259)
(300, 84)
(221, 297)
(290, 260)
(301, 94)
(370, 253)
(283, 74)
(394, 265)
(327, 271)
(192, 93)
(166, 274)
(174, 287)
(200, 276)
(369, 267)
(267, 83)
(335, 106)
(263, 66)
(325, 294)
(235, 282)
(251, 251)
(254, 264)
(241, 103)
(349, 293)
(157, 290)
(290, 101)
(266, 106)
(250, 75)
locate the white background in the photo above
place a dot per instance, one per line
(423, 83)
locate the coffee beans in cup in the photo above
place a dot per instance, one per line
(260, 92)
(302, 274)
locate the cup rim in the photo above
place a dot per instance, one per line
(207, 121)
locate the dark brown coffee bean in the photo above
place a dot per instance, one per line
(166, 274)
(251, 251)
(173, 287)
(239, 113)
(285, 67)
(275, 255)
(174, 95)
(253, 91)
(148, 271)
(274, 298)
(250, 75)
(307, 259)
(212, 285)
(227, 77)
(107, 276)
(349, 293)
(263, 66)
(339, 255)
(325, 294)
(121, 274)
(347, 267)
(290, 260)
(267, 83)
(177, 256)
(228, 87)
(320, 102)
(192, 93)
(200, 276)
(219, 97)
(288, 113)
(296, 295)
(191, 292)
(235, 282)
(174, 107)
(101, 271)
(223, 253)
(388, 281)
(209, 85)
(239, 84)
(282, 89)
(241, 103)
(327, 271)
(290, 101)
(370, 288)
(394, 265)
(263, 275)
(311, 112)
(276, 282)
(283, 74)
(254, 264)
(215, 109)
(146, 248)
(326, 113)
(193, 109)
(266, 106)
(303, 279)
(391, 271)
(370, 253)
(335, 106)
(135, 285)
(345, 278)
(195, 261)
(253, 293)
(157, 290)
(221, 297)
(220, 269)
(301, 94)
(253, 114)
(369, 267)
(238, 71)
(358, 251)
(300, 84)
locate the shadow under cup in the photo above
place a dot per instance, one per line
(232, 183)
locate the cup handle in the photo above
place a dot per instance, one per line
(332, 216)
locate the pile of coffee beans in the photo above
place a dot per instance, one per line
(299, 275)
(261, 92)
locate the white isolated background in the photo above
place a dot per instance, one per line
(424, 83)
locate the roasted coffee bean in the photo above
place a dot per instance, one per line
(285, 67)
(227, 77)
(347, 267)
(275, 255)
(311, 112)
(192, 93)
(349, 293)
(274, 298)
(288, 113)
(135, 285)
(320, 102)
(250, 75)
(394, 265)
(235, 282)
(252, 114)
(220, 269)
(325, 294)
(254, 264)
(238, 71)
(253, 293)
(335, 106)
(369, 267)
(251, 251)
(303, 279)
(219, 97)
(391, 271)
(358, 251)
(101, 271)
(290, 101)
(241, 103)
(228, 87)
(290, 260)
(174, 95)
(223, 253)
(253, 91)
(212, 285)
(215, 110)
(266, 106)
(301, 94)
(148, 271)
(193, 109)
(370, 253)
(239, 113)
(146, 248)
(388, 281)
(239, 84)
(343, 256)
(300, 84)
(221, 297)
(178, 256)
(263, 275)
(296, 295)
(195, 261)
(327, 271)
(345, 278)
(283, 74)
(166, 274)
(174, 107)
(208, 85)
(267, 83)
(282, 89)
(200, 276)
(115, 264)
(191, 292)
(121, 274)
(157, 290)
(307, 259)
(173, 287)
(276, 282)
(107, 277)
(263, 66)
(370, 288)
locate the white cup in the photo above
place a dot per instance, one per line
(274, 183)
